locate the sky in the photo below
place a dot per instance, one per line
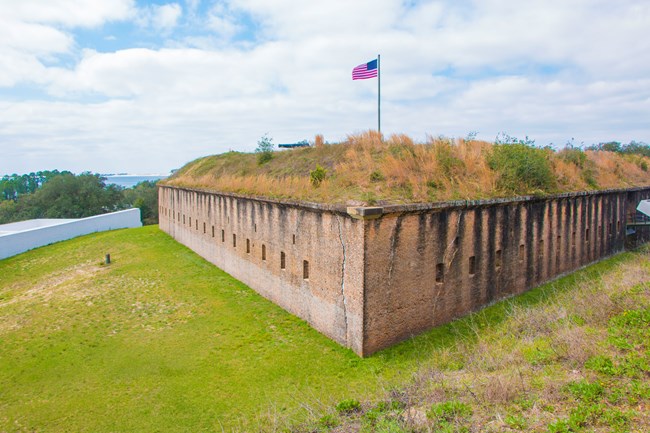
(144, 87)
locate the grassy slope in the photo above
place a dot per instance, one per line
(163, 341)
(570, 356)
(365, 169)
(160, 340)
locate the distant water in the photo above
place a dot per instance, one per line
(129, 180)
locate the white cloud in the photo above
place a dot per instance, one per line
(77, 13)
(222, 21)
(33, 38)
(166, 17)
(283, 19)
(160, 17)
(598, 37)
(33, 31)
(23, 46)
(17, 67)
(549, 69)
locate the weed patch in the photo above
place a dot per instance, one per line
(348, 406)
(585, 391)
(547, 361)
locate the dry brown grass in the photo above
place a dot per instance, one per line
(514, 375)
(71, 282)
(368, 168)
(568, 177)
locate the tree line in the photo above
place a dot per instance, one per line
(62, 194)
(633, 147)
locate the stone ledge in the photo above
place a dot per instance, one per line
(365, 213)
(336, 208)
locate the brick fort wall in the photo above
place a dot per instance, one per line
(371, 277)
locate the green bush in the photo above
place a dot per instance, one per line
(522, 168)
(144, 196)
(348, 406)
(317, 176)
(264, 149)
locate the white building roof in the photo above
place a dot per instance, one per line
(643, 207)
(22, 226)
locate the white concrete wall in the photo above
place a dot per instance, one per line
(21, 241)
(644, 207)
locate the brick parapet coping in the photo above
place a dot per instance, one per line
(372, 212)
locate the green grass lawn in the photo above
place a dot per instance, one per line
(161, 340)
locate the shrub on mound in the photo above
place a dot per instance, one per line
(522, 168)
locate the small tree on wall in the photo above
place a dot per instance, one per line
(264, 149)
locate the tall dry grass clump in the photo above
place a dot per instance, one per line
(568, 177)
(398, 170)
(319, 140)
(365, 140)
(615, 170)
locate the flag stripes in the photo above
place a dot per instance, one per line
(365, 71)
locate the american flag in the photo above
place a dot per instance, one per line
(366, 70)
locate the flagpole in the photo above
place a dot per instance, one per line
(378, 94)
